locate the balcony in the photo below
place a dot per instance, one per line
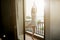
(34, 18)
(28, 37)
(37, 31)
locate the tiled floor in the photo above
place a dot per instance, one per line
(28, 37)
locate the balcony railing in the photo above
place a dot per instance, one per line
(39, 28)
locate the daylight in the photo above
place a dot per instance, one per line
(40, 8)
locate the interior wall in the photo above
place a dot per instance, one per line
(55, 20)
(52, 20)
(8, 19)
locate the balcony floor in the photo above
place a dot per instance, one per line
(28, 37)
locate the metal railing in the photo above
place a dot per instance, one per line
(39, 28)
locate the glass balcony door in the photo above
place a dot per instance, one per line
(34, 15)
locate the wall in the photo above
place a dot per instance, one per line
(1, 26)
(54, 20)
(8, 19)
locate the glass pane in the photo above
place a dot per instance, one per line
(34, 15)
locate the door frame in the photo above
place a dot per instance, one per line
(47, 20)
(24, 19)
